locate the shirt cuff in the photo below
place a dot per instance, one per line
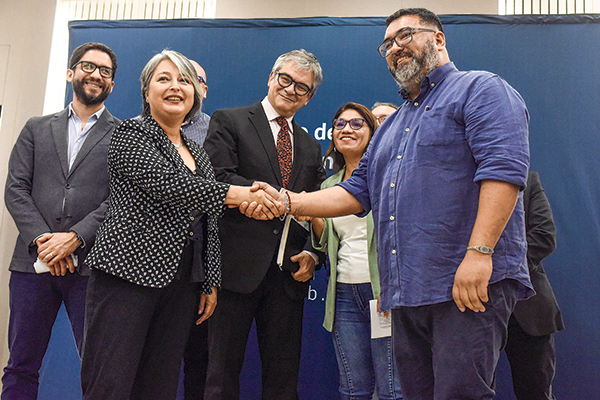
(80, 238)
(34, 243)
(313, 255)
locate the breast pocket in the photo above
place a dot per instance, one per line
(441, 126)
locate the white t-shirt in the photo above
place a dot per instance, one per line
(353, 257)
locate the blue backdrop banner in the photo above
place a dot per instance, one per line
(551, 60)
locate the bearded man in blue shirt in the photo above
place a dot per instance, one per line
(443, 176)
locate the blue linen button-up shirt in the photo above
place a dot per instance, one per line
(421, 177)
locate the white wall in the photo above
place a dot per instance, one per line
(26, 28)
(25, 35)
(347, 8)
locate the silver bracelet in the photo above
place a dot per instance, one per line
(482, 249)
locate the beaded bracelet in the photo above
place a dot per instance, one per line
(288, 205)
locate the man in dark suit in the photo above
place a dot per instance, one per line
(530, 347)
(258, 143)
(56, 191)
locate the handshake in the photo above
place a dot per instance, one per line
(263, 202)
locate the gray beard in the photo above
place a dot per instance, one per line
(410, 76)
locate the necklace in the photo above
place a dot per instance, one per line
(178, 146)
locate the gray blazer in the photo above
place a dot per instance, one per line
(42, 195)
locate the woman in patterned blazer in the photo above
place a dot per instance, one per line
(158, 244)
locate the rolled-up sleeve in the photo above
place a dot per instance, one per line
(496, 128)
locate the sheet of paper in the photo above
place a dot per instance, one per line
(41, 267)
(380, 325)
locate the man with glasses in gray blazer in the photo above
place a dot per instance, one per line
(57, 193)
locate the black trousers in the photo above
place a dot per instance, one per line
(279, 330)
(532, 362)
(135, 337)
(195, 361)
(442, 353)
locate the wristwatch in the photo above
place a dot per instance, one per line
(482, 249)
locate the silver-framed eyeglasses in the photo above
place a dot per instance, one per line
(402, 38)
(89, 67)
(284, 80)
(355, 123)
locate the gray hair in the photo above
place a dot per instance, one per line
(185, 68)
(381, 103)
(305, 61)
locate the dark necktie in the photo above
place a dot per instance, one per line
(284, 150)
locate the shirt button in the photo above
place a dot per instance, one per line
(276, 231)
(191, 218)
(407, 129)
(392, 184)
(399, 157)
(392, 218)
(416, 104)
(393, 251)
(433, 84)
(191, 233)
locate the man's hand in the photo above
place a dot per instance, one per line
(256, 210)
(55, 250)
(208, 303)
(385, 314)
(307, 266)
(470, 288)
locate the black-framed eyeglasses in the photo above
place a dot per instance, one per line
(201, 80)
(402, 38)
(284, 80)
(355, 123)
(89, 67)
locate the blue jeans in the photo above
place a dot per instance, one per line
(364, 363)
(34, 303)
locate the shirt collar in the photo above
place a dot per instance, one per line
(97, 114)
(434, 78)
(271, 113)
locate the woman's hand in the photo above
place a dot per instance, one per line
(208, 303)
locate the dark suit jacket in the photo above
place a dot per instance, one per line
(539, 315)
(242, 150)
(153, 198)
(42, 195)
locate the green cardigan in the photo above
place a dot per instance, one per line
(330, 243)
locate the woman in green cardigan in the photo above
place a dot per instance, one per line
(365, 364)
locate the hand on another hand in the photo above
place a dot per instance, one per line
(265, 202)
(55, 250)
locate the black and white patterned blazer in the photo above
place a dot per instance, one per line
(152, 197)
